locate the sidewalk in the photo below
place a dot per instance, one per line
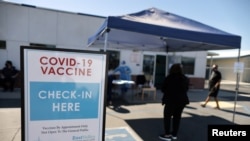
(137, 120)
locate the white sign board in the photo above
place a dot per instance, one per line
(63, 94)
(238, 67)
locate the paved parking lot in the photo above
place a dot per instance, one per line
(135, 120)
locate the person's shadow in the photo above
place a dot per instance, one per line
(10, 99)
(192, 128)
(117, 103)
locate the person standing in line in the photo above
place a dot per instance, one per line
(9, 74)
(174, 88)
(125, 72)
(214, 86)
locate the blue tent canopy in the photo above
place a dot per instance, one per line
(156, 30)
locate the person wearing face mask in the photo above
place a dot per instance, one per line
(125, 72)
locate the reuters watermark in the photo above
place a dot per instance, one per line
(239, 132)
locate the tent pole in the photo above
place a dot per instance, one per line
(106, 41)
(211, 64)
(167, 49)
(167, 61)
(237, 86)
(210, 70)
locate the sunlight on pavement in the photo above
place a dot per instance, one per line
(223, 104)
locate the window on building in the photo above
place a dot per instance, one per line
(188, 65)
(2, 44)
(42, 45)
(148, 64)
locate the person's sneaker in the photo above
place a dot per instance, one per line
(165, 138)
(203, 105)
(174, 137)
(218, 108)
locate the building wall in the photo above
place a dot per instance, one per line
(21, 25)
(200, 62)
(226, 66)
(245, 76)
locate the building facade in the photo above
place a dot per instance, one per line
(226, 66)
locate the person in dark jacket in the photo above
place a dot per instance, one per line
(174, 88)
(9, 74)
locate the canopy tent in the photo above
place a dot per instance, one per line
(157, 30)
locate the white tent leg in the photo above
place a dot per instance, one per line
(211, 64)
(106, 41)
(167, 60)
(237, 87)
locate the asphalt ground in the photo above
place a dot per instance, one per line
(133, 119)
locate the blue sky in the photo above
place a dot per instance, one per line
(228, 15)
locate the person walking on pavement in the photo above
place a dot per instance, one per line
(214, 86)
(174, 88)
